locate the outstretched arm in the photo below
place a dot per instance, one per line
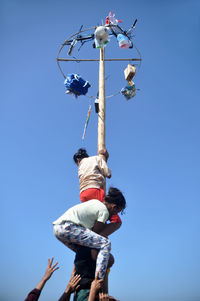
(34, 294)
(95, 287)
(71, 286)
(49, 271)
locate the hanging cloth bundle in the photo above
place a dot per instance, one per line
(76, 85)
(129, 91)
(87, 120)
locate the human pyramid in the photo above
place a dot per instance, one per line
(84, 229)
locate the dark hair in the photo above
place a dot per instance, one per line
(116, 197)
(81, 153)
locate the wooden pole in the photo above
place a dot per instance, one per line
(101, 116)
(101, 125)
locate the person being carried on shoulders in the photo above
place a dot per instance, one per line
(92, 172)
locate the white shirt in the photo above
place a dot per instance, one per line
(92, 172)
(85, 214)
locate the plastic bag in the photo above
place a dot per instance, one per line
(129, 91)
(123, 41)
(101, 36)
(76, 85)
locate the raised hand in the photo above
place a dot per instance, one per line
(105, 297)
(50, 269)
(73, 282)
(95, 287)
(96, 284)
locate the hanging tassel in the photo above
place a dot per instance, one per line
(86, 123)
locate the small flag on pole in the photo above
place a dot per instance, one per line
(86, 123)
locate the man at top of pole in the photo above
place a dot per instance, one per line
(92, 172)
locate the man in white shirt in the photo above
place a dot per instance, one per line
(80, 224)
(85, 214)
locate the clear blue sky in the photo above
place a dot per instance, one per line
(153, 142)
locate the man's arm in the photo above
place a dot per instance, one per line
(95, 287)
(103, 167)
(71, 286)
(98, 227)
(34, 294)
(109, 229)
(104, 153)
(49, 271)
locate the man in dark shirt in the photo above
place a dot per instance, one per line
(85, 265)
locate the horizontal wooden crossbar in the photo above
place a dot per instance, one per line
(94, 60)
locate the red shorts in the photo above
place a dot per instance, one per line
(98, 194)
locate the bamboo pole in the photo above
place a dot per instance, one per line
(101, 123)
(101, 115)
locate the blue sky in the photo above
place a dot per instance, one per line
(153, 141)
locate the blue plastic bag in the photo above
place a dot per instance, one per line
(76, 84)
